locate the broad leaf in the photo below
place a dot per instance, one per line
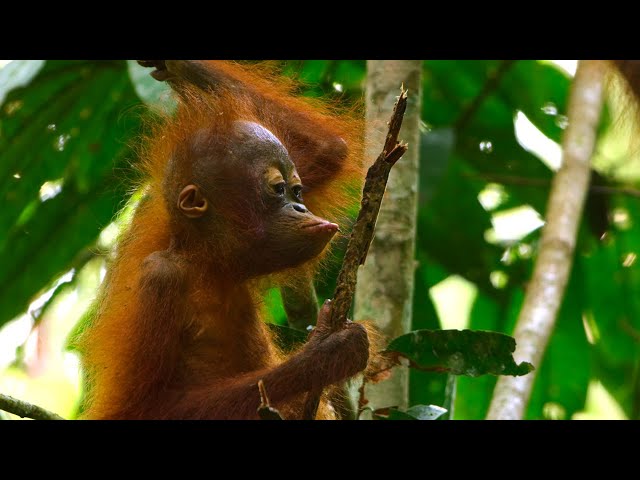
(460, 352)
(417, 412)
(65, 155)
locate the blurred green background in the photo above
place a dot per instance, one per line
(67, 129)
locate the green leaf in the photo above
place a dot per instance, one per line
(563, 375)
(460, 352)
(151, 91)
(18, 73)
(309, 72)
(450, 395)
(426, 387)
(473, 395)
(450, 86)
(274, 307)
(68, 129)
(610, 277)
(320, 77)
(447, 195)
(544, 98)
(417, 412)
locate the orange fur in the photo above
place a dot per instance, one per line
(195, 345)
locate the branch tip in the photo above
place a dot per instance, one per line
(362, 232)
(26, 410)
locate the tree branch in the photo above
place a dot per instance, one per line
(362, 233)
(543, 183)
(363, 229)
(551, 273)
(24, 409)
(265, 410)
(493, 81)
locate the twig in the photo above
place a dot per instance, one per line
(490, 85)
(541, 182)
(362, 233)
(26, 410)
(629, 329)
(265, 410)
(551, 273)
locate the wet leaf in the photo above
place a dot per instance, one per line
(417, 412)
(460, 352)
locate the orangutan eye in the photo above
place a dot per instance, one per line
(279, 188)
(297, 191)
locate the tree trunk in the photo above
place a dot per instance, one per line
(551, 273)
(385, 283)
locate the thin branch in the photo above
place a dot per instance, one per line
(551, 273)
(629, 329)
(493, 81)
(541, 182)
(609, 190)
(265, 410)
(362, 233)
(26, 410)
(311, 404)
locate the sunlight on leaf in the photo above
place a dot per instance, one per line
(513, 224)
(492, 196)
(453, 298)
(150, 91)
(567, 66)
(536, 142)
(51, 189)
(17, 73)
(600, 405)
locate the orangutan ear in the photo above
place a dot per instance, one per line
(191, 202)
